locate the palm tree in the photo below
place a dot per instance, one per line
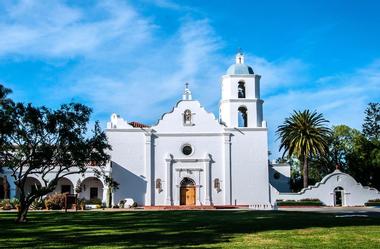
(304, 135)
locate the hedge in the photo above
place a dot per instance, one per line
(372, 203)
(303, 202)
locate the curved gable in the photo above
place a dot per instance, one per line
(200, 120)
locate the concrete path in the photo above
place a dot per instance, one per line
(340, 211)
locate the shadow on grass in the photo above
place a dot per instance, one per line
(155, 229)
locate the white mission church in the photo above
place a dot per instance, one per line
(191, 157)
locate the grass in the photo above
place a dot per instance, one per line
(189, 229)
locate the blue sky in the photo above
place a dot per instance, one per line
(133, 57)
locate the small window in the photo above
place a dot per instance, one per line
(241, 90)
(187, 117)
(187, 150)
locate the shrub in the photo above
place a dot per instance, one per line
(302, 202)
(82, 203)
(96, 201)
(15, 203)
(55, 202)
(6, 204)
(372, 203)
(37, 204)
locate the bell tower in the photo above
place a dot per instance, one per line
(240, 104)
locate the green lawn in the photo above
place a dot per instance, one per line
(188, 229)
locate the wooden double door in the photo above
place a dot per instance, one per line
(187, 194)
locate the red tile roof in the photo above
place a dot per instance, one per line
(138, 125)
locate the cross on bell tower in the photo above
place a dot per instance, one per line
(239, 57)
(187, 93)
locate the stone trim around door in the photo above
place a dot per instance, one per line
(173, 186)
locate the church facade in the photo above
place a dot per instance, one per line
(191, 157)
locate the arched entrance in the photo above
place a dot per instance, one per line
(338, 197)
(64, 185)
(92, 189)
(187, 192)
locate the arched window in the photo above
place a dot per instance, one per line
(241, 90)
(242, 117)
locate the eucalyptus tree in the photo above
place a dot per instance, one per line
(304, 134)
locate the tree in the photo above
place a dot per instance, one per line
(304, 135)
(6, 105)
(353, 153)
(49, 143)
(371, 126)
(341, 143)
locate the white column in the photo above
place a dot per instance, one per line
(227, 170)
(176, 188)
(207, 181)
(113, 199)
(104, 197)
(148, 169)
(169, 197)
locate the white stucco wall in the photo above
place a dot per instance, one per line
(354, 194)
(249, 166)
(128, 163)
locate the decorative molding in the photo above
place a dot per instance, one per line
(240, 75)
(197, 186)
(188, 160)
(188, 169)
(247, 129)
(241, 100)
(192, 134)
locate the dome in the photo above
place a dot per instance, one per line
(239, 69)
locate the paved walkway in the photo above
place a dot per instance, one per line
(340, 211)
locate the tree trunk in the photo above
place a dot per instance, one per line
(22, 212)
(305, 172)
(5, 187)
(109, 197)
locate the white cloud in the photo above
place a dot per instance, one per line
(281, 74)
(156, 81)
(53, 29)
